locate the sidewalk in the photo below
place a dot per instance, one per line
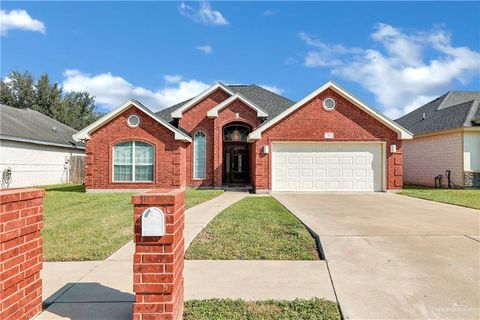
(103, 289)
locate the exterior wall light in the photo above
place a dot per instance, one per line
(266, 149)
(393, 148)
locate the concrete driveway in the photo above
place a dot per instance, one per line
(396, 257)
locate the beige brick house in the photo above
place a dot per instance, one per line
(446, 137)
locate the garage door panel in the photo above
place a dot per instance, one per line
(307, 173)
(326, 167)
(320, 173)
(293, 160)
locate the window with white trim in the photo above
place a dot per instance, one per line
(199, 155)
(133, 162)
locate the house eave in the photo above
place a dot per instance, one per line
(178, 113)
(41, 142)
(213, 113)
(85, 133)
(403, 134)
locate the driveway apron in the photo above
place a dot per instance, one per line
(396, 257)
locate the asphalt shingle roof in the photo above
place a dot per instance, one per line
(32, 125)
(268, 101)
(455, 109)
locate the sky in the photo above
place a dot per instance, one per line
(394, 56)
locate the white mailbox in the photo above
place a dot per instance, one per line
(153, 223)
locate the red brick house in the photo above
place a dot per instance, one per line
(244, 134)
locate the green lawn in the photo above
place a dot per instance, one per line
(91, 226)
(313, 309)
(197, 196)
(255, 228)
(459, 197)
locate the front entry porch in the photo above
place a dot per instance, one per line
(236, 156)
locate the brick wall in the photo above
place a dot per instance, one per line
(21, 219)
(427, 157)
(193, 120)
(169, 159)
(228, 115)
(158, 261)
(311, 121)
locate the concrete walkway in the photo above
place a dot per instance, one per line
(103, 289)
(396, 257)
(196, 218)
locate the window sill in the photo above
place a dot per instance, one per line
(137, 182)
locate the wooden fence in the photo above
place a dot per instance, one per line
(77, 170)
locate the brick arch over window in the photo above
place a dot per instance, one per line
(236, 112)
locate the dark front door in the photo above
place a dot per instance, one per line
(236, 163)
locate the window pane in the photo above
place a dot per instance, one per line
(122, 173)
(199, 155)
(123, 153)
(143, 153)
(143, 173)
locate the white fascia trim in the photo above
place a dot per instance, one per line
(213, 113)
(177, 114)
(85, 133)
(402, 132)
(41, 142)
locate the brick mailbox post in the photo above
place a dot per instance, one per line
(158, 259)
(21, 219)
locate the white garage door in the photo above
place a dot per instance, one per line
(327, 167)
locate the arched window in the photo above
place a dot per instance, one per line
(235, 132)
(133, 162)
(199, 155)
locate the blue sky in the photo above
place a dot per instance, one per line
(394, 56)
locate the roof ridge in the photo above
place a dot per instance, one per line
(445, 97)
(470, 116)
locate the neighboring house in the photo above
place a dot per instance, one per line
(35, 148)
(446, 137)
(244, 134)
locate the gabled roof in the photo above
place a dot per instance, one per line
(455, 109)
(402, 132)
(85, 133)
(178, 113)
(268, 101)
(26, 125)
(213, 113)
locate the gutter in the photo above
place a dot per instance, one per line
(41, 142)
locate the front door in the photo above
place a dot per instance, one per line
(236, 163)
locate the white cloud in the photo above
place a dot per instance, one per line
(205, 49)
(172, 78)
(111, 91)
(400, 74)
(324, 55)
(274, 89)
(269, 13)
(204, 14)
(19, 19)
(290, 61)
